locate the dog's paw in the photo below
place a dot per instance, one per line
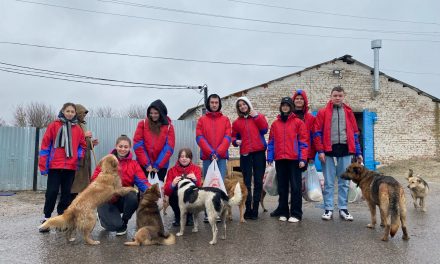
(371, 226)
(224, 237)
(195, 230)
(179, 234)
(405, 237)
(212, 242)
(424, 210)
(72, 239)
(385, 238)
(94, 242)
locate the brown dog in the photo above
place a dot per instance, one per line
(81, 214)
(419, 190)
(230, 183)
(383, 191)
(149, 222)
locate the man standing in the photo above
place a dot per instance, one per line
(336, 137)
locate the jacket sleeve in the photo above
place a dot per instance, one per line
(222, 149)
(168, 188)
(139, 178)
(95, 173)
(198, 172)
(303, 141)
(82, 148)
(46, 148)
(356, 135)
(139, 146)
(201, 139)
(235, 133)
(261, 122)
(270, 146)
(318, 126)
(167, 150)
(309, 126)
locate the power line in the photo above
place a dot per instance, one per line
(334, 14)
(225, 27)
(262, 20)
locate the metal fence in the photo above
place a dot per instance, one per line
(17, 148)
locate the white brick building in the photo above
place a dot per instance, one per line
(408, 119)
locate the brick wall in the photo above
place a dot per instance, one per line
(407, 124)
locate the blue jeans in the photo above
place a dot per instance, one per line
(331, 171)
(221, 165)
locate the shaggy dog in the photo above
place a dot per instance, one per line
(419, 190)
(149, 223)
(383, 191)
(213, 200)
(231, 181)
(81, 214)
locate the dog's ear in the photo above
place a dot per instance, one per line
(419, 181)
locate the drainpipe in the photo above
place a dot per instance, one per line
(376, 45)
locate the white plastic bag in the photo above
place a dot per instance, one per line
(213, 177)
(354, 193)
(270, 184)
(153, 178)
(313, 184)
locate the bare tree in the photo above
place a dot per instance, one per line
(2, 122)
(137, 111)
(34, 115)
(103, 111)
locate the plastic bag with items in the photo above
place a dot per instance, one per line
(270, 184)
(312, 184)
(213, 177)
(153, 178)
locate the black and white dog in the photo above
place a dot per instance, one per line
(195, 199)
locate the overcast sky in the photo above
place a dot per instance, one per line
(24, 22)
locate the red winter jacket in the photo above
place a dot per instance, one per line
(130, 172)
(251, 131)
(288, 140)
(309, 120)
(152, 149)
(322, 133)
(178, 170)
(213, 135)
(55, 158)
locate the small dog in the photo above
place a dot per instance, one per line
(419, 190)
(81, 214)
(383, 191)
(231, 181)
(213, 200)
(149, 223)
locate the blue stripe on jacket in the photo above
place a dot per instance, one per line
(142, 145)
(162, 154)
(140, 183)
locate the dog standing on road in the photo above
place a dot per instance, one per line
(196, 199)
(231, 181)
(383, 191)
(419, 190)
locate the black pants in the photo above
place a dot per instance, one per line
(289, 175)
(174, 203)
(110, 213)
(57, 178)
(161, 173)
(254, 164)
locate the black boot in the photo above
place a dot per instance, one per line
(248, 212)
(255, 206)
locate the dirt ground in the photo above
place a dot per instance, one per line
(27, 202)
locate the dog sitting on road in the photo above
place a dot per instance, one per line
(81, 214)
(231, 181)
(383, 191)
(194, 199)
(149, 223)
(419, 190)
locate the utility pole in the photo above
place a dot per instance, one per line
(205, 95)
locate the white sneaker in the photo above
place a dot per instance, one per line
(283, 219)
(328, 214)
(344, 214)
(293, 219)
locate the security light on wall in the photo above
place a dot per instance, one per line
(337, 73)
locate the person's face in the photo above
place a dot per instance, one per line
(123, 148)
(299, 102)
(243, 107)
(69, 112)
(285, 108)
(337, 97)
(183, 159)
(214, 104)
(154, 114)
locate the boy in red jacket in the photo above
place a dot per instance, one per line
(336, 136)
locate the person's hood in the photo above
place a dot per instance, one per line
(306, 100)
(207, 103)
(163, 112)
(247, 101)
(81, 112)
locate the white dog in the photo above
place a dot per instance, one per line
(194, 200)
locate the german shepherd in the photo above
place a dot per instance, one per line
(196, 199)
(149, 223)
(81, 214)
(383, 191)
(231, 181)
(419, 190)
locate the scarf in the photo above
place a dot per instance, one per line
(64, 134)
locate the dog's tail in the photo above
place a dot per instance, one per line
(395, 214)
(62, 222)
(167, 240)
(236, 199)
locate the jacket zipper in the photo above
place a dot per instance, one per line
(339, 128)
